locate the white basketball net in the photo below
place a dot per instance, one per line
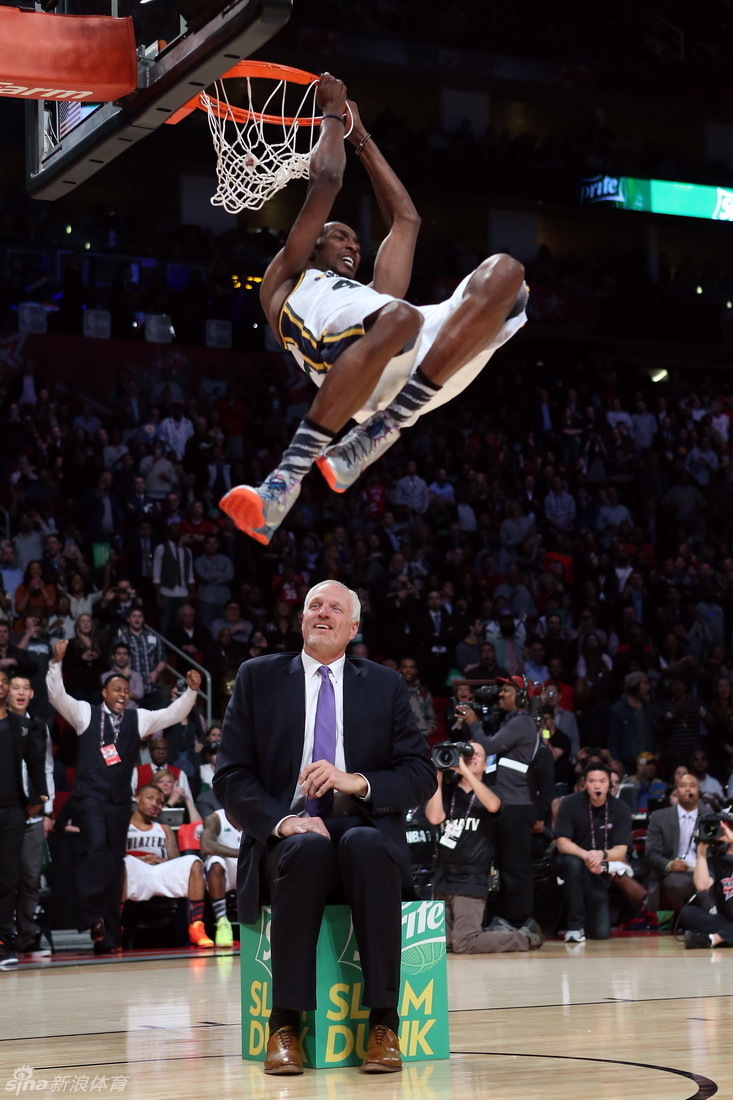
(249, 168)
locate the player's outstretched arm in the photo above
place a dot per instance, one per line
(326, 174)
(393, 265)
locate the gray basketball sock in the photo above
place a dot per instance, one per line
(415, 393)
(309, 441)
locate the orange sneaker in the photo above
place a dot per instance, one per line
(259, 512)
(197, 935)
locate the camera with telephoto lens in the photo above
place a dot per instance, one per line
(488, 693)
(447, 754)
(709, 830)
(487, 704)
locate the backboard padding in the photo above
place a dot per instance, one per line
(189, 64)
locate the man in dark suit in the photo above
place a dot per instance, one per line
(18, 745)
(436, 634)
(670, 848)
(321, 822)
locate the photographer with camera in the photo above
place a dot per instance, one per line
(713, 878)
(515, 743)
(467, 811)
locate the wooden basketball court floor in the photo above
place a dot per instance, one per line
(634, 1017)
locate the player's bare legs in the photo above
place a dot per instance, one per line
(357, 370)
(490, 298)
(346, 388)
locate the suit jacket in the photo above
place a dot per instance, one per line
(30, 746)
(662, 841)
(262, 745)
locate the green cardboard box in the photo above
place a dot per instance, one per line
(335, 1034)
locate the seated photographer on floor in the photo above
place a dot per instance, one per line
(467, 810)
(709, 917)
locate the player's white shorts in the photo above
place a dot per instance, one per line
(229, 863)
(159, 880)
(399, 369)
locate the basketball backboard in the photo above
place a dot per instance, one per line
(182, 47)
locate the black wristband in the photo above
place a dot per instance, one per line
(339, 117)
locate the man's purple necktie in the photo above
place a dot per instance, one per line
(324, 739)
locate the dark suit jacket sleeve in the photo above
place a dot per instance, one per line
(409, 778)
(659, 839)
(254, 778)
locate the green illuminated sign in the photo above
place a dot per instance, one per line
(686, 200)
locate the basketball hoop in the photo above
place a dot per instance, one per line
(250, 166)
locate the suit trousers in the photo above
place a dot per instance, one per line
(675, 890)
(102, 847)
(12, 830)
(305, 872)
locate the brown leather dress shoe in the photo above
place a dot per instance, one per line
(283, 1053)
(383, 1051)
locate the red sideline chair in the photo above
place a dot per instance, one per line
(189, 838)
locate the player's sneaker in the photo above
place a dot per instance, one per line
(259, 512)
(342, 463)
(197, 935)
(224, 937)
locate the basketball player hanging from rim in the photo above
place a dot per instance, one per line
(376, 358)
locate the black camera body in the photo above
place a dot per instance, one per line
(708, 827)
(488, 693)
(486, 704)
(447, 754)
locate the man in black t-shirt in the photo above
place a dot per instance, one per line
(592, 831)
(713, 875)
(467, 811)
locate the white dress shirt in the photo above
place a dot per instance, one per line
(686, 847)
(312, 687)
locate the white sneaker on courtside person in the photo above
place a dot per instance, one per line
(342, 463)
(575, 935)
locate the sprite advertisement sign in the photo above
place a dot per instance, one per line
(686, 200)
(336, 1033)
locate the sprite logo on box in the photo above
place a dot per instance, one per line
(263, 953)
(335, 1034)
(422, 948)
